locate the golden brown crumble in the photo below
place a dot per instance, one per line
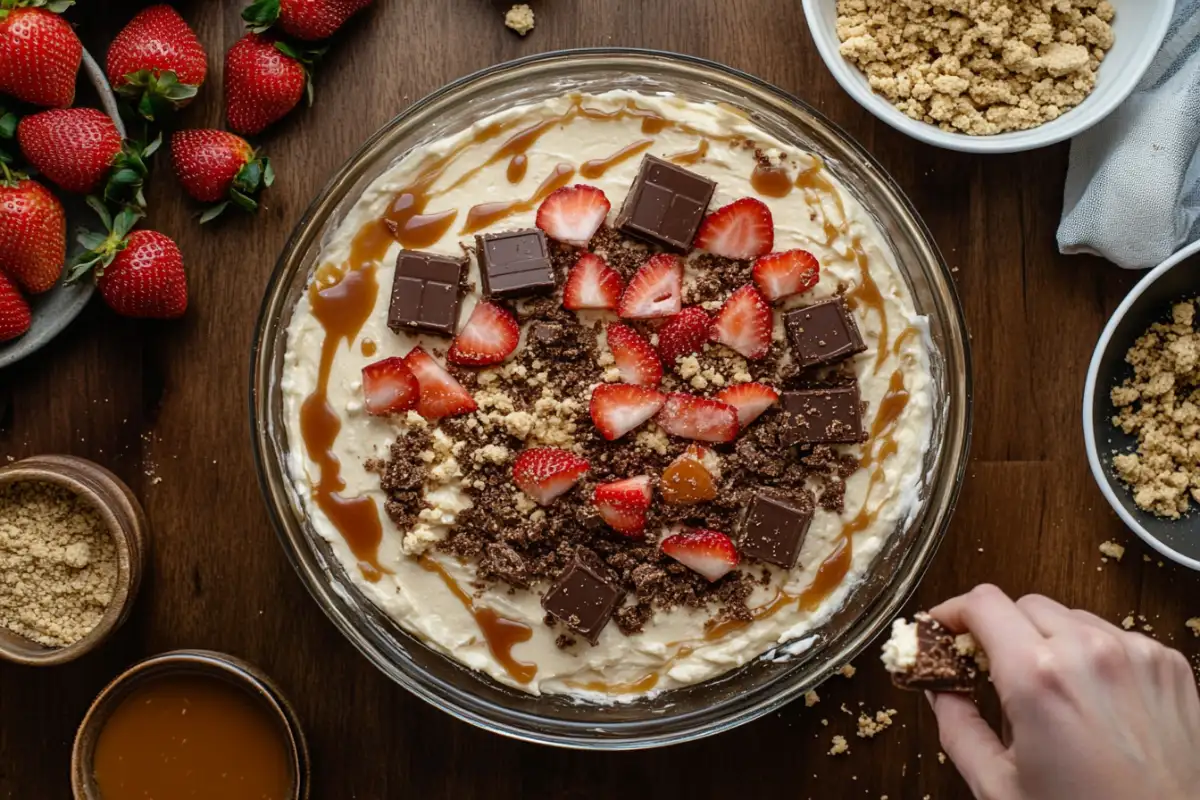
(519, 18)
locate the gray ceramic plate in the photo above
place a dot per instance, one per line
(1177, 278)
(55, 309)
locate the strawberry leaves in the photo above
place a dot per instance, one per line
(99, 249)
(156, 93)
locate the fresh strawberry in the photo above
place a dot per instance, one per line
(309, 20)
(592, 284)
(219, 167)
(15, 317)
(545, 473)
(618, 408)
(709, 553)
(489, 337)
(39, 54)
(635, 358)
(790, 272)
(622, 504)
(441, 395)
(573, 214)
(156, 62)
(744, 323)
(389, 386)
(683, 334)
(750, 400)
(742, 229)
(33, 233)
(698, 418)
(264, 80)
(656, 289)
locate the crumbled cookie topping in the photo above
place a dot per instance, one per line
(1112, 550)
(519, 18)
(869, 727)
(840, 746)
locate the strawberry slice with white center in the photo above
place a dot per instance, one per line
(742, 229)
(656, 289)
(683, 334)
(389, 387)
(622, 504)
(441, 395)
(709, 553)
(618, 408)
(744, 323)
(489, 337)
(750, 400)
(546, 473)
(635, 358)
(573, 214)
(790, 272)
(591, 283)
(699, 418)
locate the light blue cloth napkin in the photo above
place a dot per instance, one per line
(1133, 185)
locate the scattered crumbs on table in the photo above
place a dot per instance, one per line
(519, 18)
(941, 757)
(1112, 550)
(869, 727)
(840, 746)
(1127, 623)
(811, 699)
(848, 671)
(1193, 624)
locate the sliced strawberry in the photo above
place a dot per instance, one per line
(441, 395)
(618, 408)
(750, 400)
(489, 337)
(636, 360)
(592, 284)
(742, 229)
(790, 272)
(573, 213)
(622, 504)
(545, 473)
(683, 334)
(709, 553)
(656, 289)
(389, 386)
(744, 323)
(699, 418)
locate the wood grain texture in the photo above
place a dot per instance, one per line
(165, 406)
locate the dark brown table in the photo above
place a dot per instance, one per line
(164, 405)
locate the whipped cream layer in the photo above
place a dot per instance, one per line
(431, 594)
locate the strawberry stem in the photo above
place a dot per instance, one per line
(99, 249)
(155, 93)
(261, 15)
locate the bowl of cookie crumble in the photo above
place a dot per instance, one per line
(999, 77)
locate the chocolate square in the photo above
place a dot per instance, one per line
(585, 595)
(665, 205)
(823, 333)
(774, 528)
(828, 415)
(425, 292)
(514, 263)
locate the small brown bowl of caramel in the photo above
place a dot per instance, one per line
(190, 723)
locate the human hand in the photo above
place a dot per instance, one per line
(1093, 711)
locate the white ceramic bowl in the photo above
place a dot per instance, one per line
(1139, 28)
(1177, 278)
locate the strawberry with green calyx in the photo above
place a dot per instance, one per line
(308, 20)
(221, 168)
(139, 273)
(265, 78)
(39, 52)
(156, 62)
(8, 136)
(15, 315)
(33, 232)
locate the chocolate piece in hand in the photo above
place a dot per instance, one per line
(665, 205)
(828, 415)
(823, 333)
(923, 656)
(514, 263)
(774, 528)
(585, 595)
(425, 292)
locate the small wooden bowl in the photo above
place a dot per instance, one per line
(239, 673)
(125, 521)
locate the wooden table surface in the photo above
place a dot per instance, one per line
(164, 405)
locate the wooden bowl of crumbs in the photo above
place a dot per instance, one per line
(73, 542)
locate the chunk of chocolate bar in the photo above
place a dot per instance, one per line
(823, 333)
(923, 656)
(665, 205)
(828, 415)
(585, 595)
(425, 292)
(514, 263)
(774, 528)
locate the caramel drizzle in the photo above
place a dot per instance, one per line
(485, 214)
(689, 157)
(639, 686)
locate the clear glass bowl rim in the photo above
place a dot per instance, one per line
(645, 733)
